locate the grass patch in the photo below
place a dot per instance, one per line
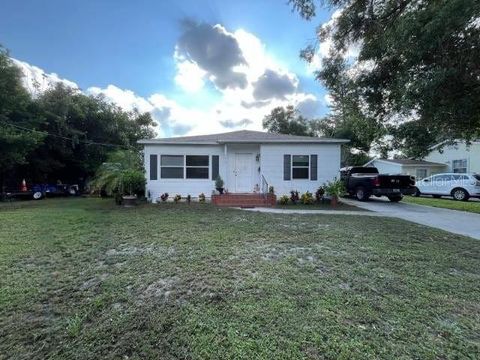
(470, 206)
(82, 278)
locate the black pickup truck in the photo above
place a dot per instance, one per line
(363, 182)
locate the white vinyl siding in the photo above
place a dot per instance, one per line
(266, 159)
(182, 186)
(460, 151)
(272, 162)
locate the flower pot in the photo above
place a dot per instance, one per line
(129, 200)
(334, 201)
(220, 190)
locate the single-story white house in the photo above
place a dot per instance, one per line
(457, 158)
(418, 168)
(247, 161)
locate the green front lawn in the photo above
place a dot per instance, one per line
(447, 203)
(81, 278)
(319, 206)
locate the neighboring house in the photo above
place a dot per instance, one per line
(458, 158)
(418, 168)
(248, 162)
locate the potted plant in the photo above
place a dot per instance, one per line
(319, 194)
(219, 184)
(294, 196)
(201, 198)
(334, 189)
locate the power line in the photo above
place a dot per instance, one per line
(88, 142)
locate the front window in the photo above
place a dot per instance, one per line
(459, 166)
(197, 166)
(300, 166)
(184, 166)
(421, 174)
(172, 166)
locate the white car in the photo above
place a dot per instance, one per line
(459, 186)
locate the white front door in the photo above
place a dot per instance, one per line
(243, 172)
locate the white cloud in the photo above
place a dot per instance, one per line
(240, 105)
(325, 47)
(189, 77)
(328, 99)
(126, 99)
(36, 81)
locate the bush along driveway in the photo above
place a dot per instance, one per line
(84, 279)
(457, 222)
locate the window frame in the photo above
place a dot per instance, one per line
(300, 167)
(172, 166)
(461, 167)
(198, 167)
(185, 167)
(421, 169)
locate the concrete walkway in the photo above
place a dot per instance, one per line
(454, 221)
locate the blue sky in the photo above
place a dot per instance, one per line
(131, 45)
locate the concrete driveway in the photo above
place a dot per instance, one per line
(458, 222)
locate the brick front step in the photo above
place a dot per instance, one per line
(244, 200)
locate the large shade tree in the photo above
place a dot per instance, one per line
(287, 120)
(417, 75)
(82, 130)
(18, 112)
(61, 134)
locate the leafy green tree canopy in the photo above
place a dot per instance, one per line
(17, 111)
(82, 130)
(286, 120)
(417, 62)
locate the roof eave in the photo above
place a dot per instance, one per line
(160, 142)
(221, 142)
(426, 164)
(313, 141)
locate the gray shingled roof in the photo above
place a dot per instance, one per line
(242, 136)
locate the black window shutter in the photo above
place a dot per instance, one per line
(313, 167)
(153, 167)
(215, 166)
(287, 167)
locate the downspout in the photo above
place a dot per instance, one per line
(227, 180)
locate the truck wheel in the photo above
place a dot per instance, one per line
(37, 195)
(460, 194)
(417, 192)
(395, 198)
(361, 194)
